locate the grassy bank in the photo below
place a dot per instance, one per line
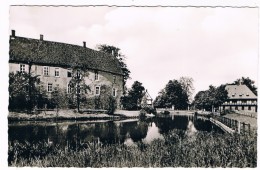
(242, 118)
(177, 150)
(70, 115)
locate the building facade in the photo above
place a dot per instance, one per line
(147, 100)
(53, 62)
(240, 98)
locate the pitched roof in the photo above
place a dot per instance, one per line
(56, 53)
(240, 92)
(148, 96)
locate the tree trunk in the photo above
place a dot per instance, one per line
(30, 90)
(78, 97)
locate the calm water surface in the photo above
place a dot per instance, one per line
(72, 133)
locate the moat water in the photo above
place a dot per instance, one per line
(72, 133)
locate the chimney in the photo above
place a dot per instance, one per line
(13, 33)
(84, 44)
(41, 37)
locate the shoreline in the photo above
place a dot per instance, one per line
(68, 115)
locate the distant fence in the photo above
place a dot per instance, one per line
(239, 127)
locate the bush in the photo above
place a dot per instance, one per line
(227, 112)
(142, 113)
(150, 110)
(165, 113)
(111, 105)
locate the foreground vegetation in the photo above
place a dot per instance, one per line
(179, 149)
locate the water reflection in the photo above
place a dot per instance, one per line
(152, 133)
(74, 134)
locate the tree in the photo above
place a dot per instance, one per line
(248, 82)
(105, 100)
(187, 85)
(77, 86)
(213, 97)
(132, 100)
(173, 95)
(59, 98)
(25, 92)
(200, 99)
(114, 51)
(160, 99)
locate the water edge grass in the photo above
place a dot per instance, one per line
(178, 149)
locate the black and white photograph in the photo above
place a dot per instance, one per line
(146, 86)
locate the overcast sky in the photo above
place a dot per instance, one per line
(211, 45)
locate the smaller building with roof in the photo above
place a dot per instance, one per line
(240, 98)
(147, 100)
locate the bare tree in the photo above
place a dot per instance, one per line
(187, 85)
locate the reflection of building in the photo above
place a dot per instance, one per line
(240, 97)
(53, 62)
(147, 100)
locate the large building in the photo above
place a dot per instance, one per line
(240, 98)
(53, 62)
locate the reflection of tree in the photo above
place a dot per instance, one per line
(139, 132)
(108, 132)
(167, 124)
(122, 132)
(205, 125)
(72, 136)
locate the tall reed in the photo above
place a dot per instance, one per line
(178, 149)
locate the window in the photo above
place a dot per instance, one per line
(22, 68)
(114, 92)
(27, 88)
(97, 90)
(114, 78)
(78, 74)
(46, 70)
(57, 72)
(49, 88)
(96, 75)
(69, 73)
(243, 108)
(79, 89)
(249, 107)
(70, 88)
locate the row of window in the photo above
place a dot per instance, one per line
(242, 108)
(70, 89)
(240, 95)
(46, 72)
(243, 101)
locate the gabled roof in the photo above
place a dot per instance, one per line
(56, 53)
(240, 92)
(147, 95)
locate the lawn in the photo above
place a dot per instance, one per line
(242, 118)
